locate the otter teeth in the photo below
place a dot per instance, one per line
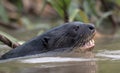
(89, 44)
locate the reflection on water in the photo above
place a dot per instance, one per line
(72, 63)
(55, 59)
(113, 55)
(49, 65)
(70, 67)
(104, 59)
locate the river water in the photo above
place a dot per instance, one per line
(105, 58)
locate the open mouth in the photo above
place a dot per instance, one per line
(88, 46)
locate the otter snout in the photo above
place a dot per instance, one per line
(91, 27)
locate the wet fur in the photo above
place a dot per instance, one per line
(61, 38)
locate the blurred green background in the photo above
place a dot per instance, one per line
(33, 17)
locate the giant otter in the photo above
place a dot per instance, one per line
(66, 37)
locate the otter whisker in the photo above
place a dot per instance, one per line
(74, 46)
(77, 43)
(83, 41)
(59, 40)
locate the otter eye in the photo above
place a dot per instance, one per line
(76, 28)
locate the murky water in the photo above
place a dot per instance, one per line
(105, 58)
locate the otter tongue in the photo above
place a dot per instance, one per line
(88, 45)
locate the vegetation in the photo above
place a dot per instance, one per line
(27, 14)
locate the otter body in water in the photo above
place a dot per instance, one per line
(62, 38)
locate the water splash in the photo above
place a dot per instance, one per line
(113, 54)
(55, 59)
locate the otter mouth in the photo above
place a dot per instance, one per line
(88, 46)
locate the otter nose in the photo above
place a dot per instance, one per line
(91, 27)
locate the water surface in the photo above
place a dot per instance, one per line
(105, 58)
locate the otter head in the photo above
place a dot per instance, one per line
(70, 35)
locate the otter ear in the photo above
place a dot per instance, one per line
(45, 41)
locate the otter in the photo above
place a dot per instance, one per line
(65, 37)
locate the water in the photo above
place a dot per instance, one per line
(105, 58)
